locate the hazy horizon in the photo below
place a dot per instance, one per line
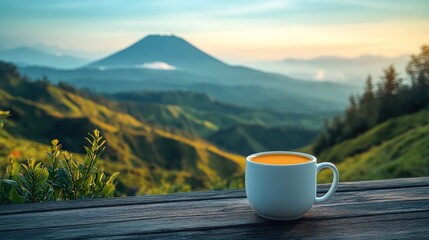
(236, 32)
(91, 56)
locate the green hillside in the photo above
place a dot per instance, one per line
(384, 133)
(154, 138)
(248, 139)
(149, 159)
(237, 129)
(398, 147)
(199, 114)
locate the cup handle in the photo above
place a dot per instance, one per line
(334, 184)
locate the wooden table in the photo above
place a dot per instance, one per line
(385, 209)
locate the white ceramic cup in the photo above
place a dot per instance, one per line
(285, 191)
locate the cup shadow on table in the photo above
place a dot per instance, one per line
(281, 229)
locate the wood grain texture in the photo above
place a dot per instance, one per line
(396, 208)
(89, 203)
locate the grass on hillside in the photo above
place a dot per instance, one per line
(150, 159)
(396, 148)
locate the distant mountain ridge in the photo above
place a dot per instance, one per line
(190, 69)
(337, 59)
(334, 68)
(366, 63)
(25, 56)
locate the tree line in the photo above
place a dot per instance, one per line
(391, 97)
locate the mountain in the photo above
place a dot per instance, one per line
(395, 148)
(170, 50)
(149, 158)
(332, 68)
(168, 63)
(25, 56)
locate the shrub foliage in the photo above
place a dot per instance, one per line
(63, 179)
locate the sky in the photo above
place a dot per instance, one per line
(232, 30)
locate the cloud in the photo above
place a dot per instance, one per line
(320, 75)
(156, 65)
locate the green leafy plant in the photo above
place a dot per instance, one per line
(33, 182)
(65, 178)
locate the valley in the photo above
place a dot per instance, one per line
(160, 142)
(177, 119)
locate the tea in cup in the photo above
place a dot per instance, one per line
(282, 185)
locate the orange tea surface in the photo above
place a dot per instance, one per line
(280, 159)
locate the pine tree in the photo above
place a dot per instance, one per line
(387, 91)
(368, 96)
(418, 70)
(368, 105)
(390, 83)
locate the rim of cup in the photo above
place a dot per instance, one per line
(312, 159)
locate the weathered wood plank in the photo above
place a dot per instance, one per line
(358, 226)
(193, 216)
(342, 198)
(381, 184)
(395, 226)
(195, 196)
(120, 201)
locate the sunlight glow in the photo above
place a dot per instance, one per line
(236, 31)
